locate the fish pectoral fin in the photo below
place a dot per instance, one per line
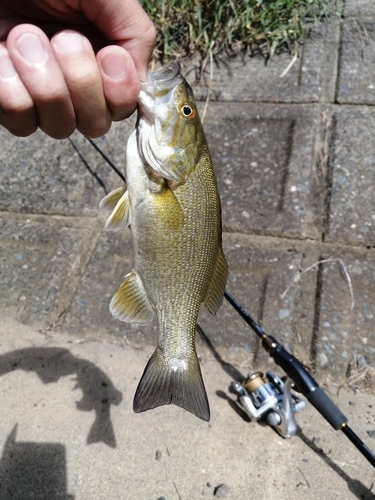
(130, 303)
(215, 292)
(175, 382)
(120, 217)
(110, 201)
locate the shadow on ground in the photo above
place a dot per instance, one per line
(51, 363)
(33, 470)
(354, 485)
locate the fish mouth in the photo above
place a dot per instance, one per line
(166, 74)
(162, 81)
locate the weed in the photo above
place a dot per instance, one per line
(270, 26)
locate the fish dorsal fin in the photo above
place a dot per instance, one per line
(130, 303)
(215, 292)
(120, 217)
(110, 201)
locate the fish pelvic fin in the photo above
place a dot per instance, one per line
(167, 382)
(120, 216)
(130, 303)
(110, 201)
(215, 292)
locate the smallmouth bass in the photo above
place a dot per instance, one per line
(173, 208)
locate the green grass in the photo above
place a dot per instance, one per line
(269, 26)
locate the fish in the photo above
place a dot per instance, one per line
(172, 205)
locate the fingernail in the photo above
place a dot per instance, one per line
(7, 70)
(69, 41)
(31, 48)
(113, 65)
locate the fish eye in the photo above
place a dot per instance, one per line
(188, 111)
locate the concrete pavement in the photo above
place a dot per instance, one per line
(295, 163)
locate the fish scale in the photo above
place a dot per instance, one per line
(173, 207)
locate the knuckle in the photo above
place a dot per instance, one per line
(57, 128)
(18, 114)
(19, 128)
(17, 107)
(52, 96)
(122, 113)
(60, 133)
(85, 80)
(149, 34)
(95, 130)
(21, 131)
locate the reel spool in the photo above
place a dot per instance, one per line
(271, 399)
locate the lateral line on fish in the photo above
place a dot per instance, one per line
(177, 249)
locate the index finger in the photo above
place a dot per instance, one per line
(125, 22)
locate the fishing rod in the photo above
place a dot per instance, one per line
(274, 398)
(291, 403)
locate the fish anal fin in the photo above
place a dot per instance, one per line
(130, 302)
(215, 292)
(110, 201)
(175, 382)
(120, 217)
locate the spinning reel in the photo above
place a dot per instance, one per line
(271, 399)
(275, 400)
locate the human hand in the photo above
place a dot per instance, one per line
(50, 76)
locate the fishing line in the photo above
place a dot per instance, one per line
(103, 155)
(85, 162)
(290, 364)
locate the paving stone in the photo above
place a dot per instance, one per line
(42, 175)
(351, 212)
(359, 8)
(59, 406)
(258, 276)
(356, 82)
(345, 333)
(40, 263)
(89, 312)
(113, 145)
(260, 271)
(262, 156)
(252, 79)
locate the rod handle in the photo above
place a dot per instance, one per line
(326, 407)
(306, 384)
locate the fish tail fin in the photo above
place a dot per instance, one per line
(165, 383)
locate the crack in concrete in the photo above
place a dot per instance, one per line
(316, 321)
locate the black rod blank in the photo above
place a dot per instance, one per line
(360, 445)
(315, 394)
(305, 383)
